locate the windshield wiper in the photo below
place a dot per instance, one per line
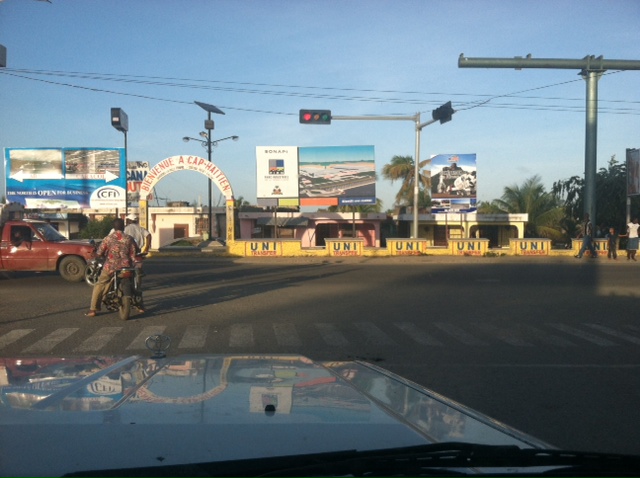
(440, 459)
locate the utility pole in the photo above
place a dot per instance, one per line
(591, 70)
(442, 113)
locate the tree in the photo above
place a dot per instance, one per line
(97, 229)
(611, 196)
(402, 168)
(241, 203)
(544, 209)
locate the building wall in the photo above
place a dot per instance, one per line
(164, 221)
(339, 224)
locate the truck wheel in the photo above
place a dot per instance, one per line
(72, 268)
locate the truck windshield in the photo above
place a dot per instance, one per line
(48, 232)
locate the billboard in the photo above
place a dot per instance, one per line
(316, 176)
(277, 175)
(136, 172)
(66, 178)
(453, 181)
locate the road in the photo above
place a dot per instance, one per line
(549, 346)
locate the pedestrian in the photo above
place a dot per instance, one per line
(632, 241)
(141, 235)
(612, 243)
(143, 242)
(586, 233)
(119, 249)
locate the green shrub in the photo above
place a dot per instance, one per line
(97, 229)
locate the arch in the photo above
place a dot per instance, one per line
(185, 163)
(174, 164)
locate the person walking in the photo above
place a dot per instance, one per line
(119, 249)
(587, 238)
(612, 243)
(632, 241)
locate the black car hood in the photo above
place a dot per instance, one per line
(60, 416)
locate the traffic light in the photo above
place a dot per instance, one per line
(315, 116)
(443, 113)
(119, 120)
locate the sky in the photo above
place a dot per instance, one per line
(261, 61)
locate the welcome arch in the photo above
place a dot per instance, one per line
(200, 165)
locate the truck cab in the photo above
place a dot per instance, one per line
(32, 245)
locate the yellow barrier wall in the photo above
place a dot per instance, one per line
(468, 247)
(406, 247)
(530, 247)
(400, 247)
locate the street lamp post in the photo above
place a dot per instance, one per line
(208, 125)
(208, 144)
(120, 121)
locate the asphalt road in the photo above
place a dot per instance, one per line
(549, 346)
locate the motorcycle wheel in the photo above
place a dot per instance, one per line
(91, 274)
(125, 308)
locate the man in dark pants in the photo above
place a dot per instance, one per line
(587, 239)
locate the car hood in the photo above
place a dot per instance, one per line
(79, 242)
(60, 416)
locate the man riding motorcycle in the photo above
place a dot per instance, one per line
(120, 252)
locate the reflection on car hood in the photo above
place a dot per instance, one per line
(62, 416)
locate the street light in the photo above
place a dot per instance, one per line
(208, 125)
(208, 144)
(120, 121)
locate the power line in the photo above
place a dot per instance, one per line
(202, 84)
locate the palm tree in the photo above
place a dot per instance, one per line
(403, 168)
(544, 209)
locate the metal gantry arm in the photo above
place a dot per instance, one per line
(591, 68)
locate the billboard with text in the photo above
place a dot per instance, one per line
(316, 176)
(66, 178)
(453, 181)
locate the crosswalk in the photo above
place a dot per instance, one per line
(296, 337)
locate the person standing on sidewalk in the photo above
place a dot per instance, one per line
(587, 238)
(612, 243)
(632, 242)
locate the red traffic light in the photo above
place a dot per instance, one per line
(315, 116)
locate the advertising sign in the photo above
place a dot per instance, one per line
(337, 175)
(136, 172)
(277, 173)
(453, 181)
(453, 176)
(66, 178)
(315, 176)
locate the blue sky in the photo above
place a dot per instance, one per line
(70, 61)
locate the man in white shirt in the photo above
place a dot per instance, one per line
(139, 233)
(142, 238)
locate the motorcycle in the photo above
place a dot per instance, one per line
(124, 289)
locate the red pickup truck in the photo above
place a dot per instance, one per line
(30, 245)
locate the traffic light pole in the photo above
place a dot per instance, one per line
(592, 69)
(416, 173)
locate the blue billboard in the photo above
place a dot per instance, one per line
(66, 178)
